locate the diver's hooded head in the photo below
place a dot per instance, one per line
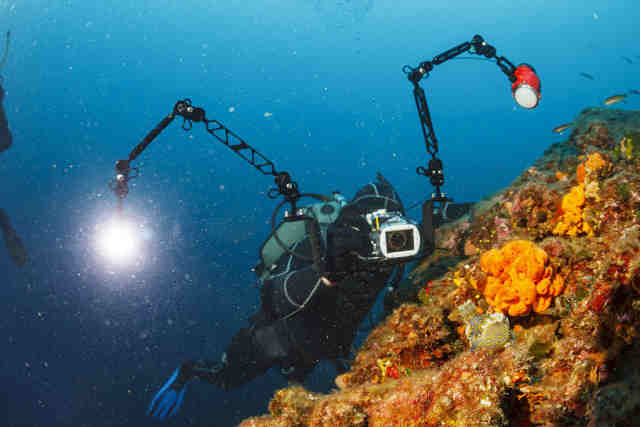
(348, 238)
(370, 198)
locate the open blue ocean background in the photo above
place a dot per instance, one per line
(86, 343)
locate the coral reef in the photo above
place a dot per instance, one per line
(528, 313)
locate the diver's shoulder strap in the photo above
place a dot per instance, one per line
(292, 232)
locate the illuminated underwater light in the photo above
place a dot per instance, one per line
(118, 241)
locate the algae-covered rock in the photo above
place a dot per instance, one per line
(567, 314)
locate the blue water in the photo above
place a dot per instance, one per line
(87, 343)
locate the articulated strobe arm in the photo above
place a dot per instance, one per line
(190, 114)
(525, 88)
(285, 186)
(476, 46)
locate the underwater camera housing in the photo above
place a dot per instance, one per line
(394, 238)
(372, 241)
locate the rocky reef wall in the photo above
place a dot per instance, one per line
(528, 313)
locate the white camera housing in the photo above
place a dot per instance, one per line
(408, 231)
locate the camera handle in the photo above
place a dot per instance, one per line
(428, 227)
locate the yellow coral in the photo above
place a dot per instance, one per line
(573, 220)
(520, 279)
(384, 364)
(457, 279)
(590, 167)
(626, 147)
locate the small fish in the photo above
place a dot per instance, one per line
(587, 76)
(562, 128)
(634, 92)
(614, 99)
(595, 16)
(627, 59)
(268, 114)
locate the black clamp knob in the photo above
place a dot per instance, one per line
(435, 173)
(189, 112)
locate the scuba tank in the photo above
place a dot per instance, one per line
(290, 233)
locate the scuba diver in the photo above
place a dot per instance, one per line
(307, 316)
(322, 270)
(12, 241)
(5, 133)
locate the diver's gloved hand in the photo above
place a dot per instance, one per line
(226, 378)
(167, 401)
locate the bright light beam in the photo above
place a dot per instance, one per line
(118, 241)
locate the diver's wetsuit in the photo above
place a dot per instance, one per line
(12, 241)
(5, 133)
(293, 335)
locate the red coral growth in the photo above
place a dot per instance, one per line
(600, 299)
(393, 372)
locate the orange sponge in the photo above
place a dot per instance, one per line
(520, 278)
(572, 221)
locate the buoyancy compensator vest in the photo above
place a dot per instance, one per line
(291, 233)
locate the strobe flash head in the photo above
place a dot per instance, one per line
(526, 87)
